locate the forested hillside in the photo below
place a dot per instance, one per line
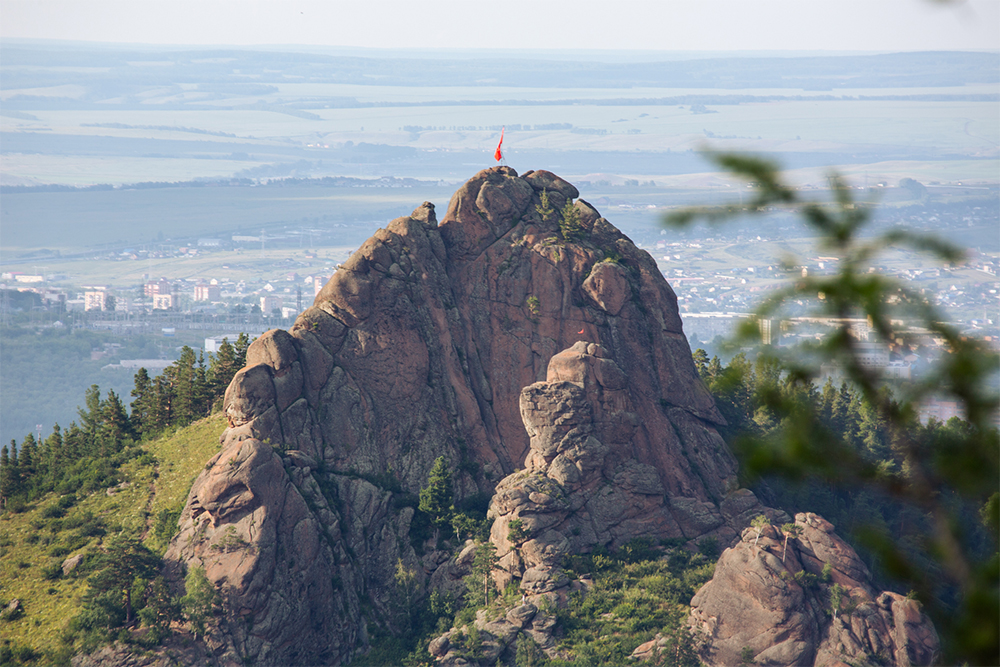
(88, 511)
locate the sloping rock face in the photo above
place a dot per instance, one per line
(589, 479)
(419, 347)
(812, 604)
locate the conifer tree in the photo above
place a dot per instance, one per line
(240, 351)
(436, 498)
(124, 560)
(116, 426)
(142, 403)
(27, 462)
(222, 367)
(8, 482)
(90, 418)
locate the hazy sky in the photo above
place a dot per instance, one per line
(684, 25)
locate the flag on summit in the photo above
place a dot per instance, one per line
(498, 155)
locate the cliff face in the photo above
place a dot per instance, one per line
(494, 339)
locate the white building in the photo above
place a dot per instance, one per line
(94, 300)
(163, 301)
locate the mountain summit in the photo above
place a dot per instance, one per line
(526, 341)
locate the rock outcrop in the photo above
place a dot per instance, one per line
(809, 604)
(523, 331)
(591, 477)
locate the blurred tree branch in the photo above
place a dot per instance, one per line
(936, 464)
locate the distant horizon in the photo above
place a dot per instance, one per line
(657, 26)
(609, 55)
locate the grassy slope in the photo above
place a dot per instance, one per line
(49, 605)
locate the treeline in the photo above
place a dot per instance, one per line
(86, 455)
(865, 513)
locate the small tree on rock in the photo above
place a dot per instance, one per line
(759, 524)
(483, 564)
(436, 499)
(569, 224)
(790, 530)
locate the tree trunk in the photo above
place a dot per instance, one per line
(128, 607)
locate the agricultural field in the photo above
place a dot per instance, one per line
(116, 116)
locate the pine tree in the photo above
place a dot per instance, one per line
(483, 564)
(160, 608)
(569, 223)
(222, 368)
(181, 375)
(202, 390)
(27, 464)
(115, 427)
(7, 483)
(700, 358)
(436, 498)
(714, 368)
(161, 405)
(142, 407)
(53, 455)
(90, 418)
(125, 559)
(240, 350)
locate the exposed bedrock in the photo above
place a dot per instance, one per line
(603, 468)
(811, 603)
(546, 364)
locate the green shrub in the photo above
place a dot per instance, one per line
(52, 571)
(709, 548)
(53, 511)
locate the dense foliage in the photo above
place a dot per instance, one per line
(862, 511)
(48, 368)
(634, 594)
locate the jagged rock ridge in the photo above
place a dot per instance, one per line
(436, 340)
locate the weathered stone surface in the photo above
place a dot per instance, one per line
(587, 481)
(71, 563)
(486, 339)
(608, 286)
(439, 646)
(776, 602)
(245, 518)
(521, 614)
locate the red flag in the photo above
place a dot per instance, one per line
(497, 155)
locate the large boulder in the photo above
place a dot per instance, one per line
(805, 600)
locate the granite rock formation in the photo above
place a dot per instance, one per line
(591, 477)
(500, 338)
(809, 604)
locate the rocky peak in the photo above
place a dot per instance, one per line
(524, 339)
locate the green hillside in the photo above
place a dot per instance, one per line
(54, 527)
